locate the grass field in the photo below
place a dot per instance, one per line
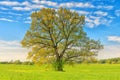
(76, 72)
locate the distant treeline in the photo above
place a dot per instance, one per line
(17, 62)
(110, 61)
(102, 61)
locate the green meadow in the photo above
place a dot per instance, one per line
(75, 72)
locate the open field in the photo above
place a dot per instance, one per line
(76, 72)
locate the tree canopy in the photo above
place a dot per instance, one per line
(54, 33)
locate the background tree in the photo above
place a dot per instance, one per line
(52, 34)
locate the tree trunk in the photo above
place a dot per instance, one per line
(59, 62)
(59, 66)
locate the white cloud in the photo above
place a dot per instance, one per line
(35, 1)
(69, 5)
(12, 50)
(22, 8)
(76, 4)
(90, 25)
(101, 13)
(88, 5)
(28, 8)
(12, 55)
(9, 3)
(37, 6)
(94, 21)
(9, 43)
(5, 19)
(89, 22)
(111, 51)
(117, 12)
(114, 38)
(14, 3)
(104, 7)
(108, 7)
(81, 12)
(105, 21)
(26, 3)
(11, 13)
(97, 21)
(49, 3)
(25, 6)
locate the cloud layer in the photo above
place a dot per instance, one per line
(12, 50)
(114, 38)
(101, 16)
(109, 52)
(5, 19)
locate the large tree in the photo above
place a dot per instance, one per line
(53, 33)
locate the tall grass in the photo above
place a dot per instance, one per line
(75, 72)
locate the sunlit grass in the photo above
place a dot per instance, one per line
(76, 72)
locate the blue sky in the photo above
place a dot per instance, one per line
(102, 22)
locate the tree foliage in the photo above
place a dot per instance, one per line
(86, 50)
(54, 33)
